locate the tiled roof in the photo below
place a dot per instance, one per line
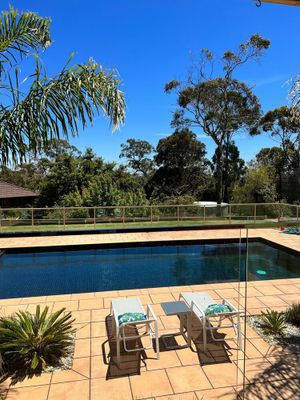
(8, 190)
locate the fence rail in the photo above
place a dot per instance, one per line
(58, 218)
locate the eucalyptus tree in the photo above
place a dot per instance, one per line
(220, 106)
(285, 129)
(294, 95)
(138, 154)
(42, 107)
(181, 165)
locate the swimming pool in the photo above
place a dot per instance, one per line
(91, 270)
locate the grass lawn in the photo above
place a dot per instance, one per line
(44, 228)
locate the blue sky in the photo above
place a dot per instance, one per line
(148, 42)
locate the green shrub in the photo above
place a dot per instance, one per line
(293, 314)
(30, 343)
(273, 322)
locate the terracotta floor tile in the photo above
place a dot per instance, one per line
(145, 299)
(227, 293)
(129, 292)
(188, 357)
(11, 309)
(98, 367)
(181, 396)
(99, 315)
(68, 305)
(97, 345)
(16, 301)
(167, 359)
(175, 290)
(30, 300)
(216, 394)
(267, 390)
(91, 304)
(291, 298)
(187, 379)
(82, 348)
(82, 316)
(251, 292)
(251, 350)
(59, 297)
(98, 329)
(270, 301)
(288, 289)
(113, 389)
(78, 390)
(158, 309)
(150, 384)
(170, 322)
(108, 293)
(28, 393)
(264, 348)
(222, 375)
(80, 370)
(159, 290)
(83, 331)
(269, 290)
(162, 297)
(259, 369)
(82, 296)
(252, 302)
(43, 379)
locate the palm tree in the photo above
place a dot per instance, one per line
(41, 108)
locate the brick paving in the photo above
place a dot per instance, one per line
(272, 372)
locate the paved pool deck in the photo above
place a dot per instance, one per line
(271, 372)
(273, 235)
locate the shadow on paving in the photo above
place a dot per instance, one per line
(131, 362)
(279, 381)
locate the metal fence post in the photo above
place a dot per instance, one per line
(32, 217)
(177, 213)
(64, 217)
(254, 213)
(151, 214)
(204, 213)
(94, 217)
(229, 213)
(123, 215)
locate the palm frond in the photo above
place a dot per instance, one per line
(21, 33)
(54, 106)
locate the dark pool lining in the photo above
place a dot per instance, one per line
(78, 247)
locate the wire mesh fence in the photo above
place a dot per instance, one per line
(35, 219)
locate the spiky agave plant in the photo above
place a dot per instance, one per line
(293, 314)
(273, 322)
(31, 342)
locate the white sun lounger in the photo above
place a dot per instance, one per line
(198, 303)
(149, 326)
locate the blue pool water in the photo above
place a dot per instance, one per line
(37, 274)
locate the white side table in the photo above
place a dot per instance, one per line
(182, 310)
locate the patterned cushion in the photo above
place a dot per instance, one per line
(217, 309)
(131, 317)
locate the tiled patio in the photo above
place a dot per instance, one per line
(181, 374)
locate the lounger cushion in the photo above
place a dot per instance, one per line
(217, 309)
(131, 317)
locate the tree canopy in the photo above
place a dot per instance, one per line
(220, 106)
(181, 165)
